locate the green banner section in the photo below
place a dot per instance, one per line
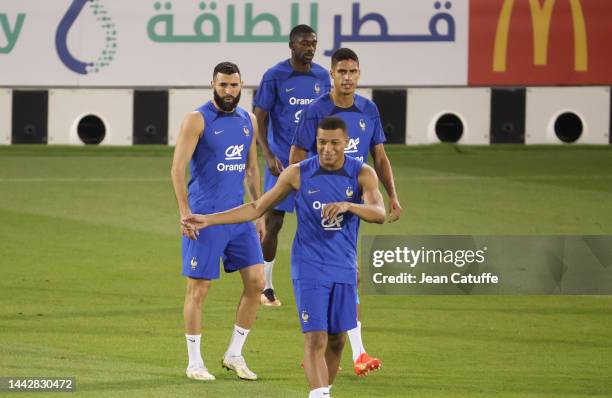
(507, 265)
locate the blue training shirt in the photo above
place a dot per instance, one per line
(219, 161)
(326, 250)
(284, 93)
(362, 120)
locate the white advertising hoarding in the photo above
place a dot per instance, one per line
(177, 43)
(6, 110)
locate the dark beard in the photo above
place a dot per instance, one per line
(224, 106)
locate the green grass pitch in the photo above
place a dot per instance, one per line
(90, 281)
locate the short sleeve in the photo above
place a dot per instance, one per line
(378, 135)
(306, 131)
(266, 93)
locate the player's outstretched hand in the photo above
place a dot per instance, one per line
(331, 210)
(195, 222)
(395, 210)
(275, 166)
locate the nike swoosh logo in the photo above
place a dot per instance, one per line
(193, 341)
(218, 132)
(240, 333)
(287, 90)
(310, 192)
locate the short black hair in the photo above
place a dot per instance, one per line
(343, 54)
(299, 30)
(333, 123)
(227, 68)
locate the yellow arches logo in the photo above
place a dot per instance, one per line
(540, 20)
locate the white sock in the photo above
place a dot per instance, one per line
(356, 342)
(268, 266)
(239, 336)
(193, 350)
(321, 392)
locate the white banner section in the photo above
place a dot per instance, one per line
(178, 43)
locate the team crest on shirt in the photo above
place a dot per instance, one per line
(305, 316)
(317, 88)
(349, 192)
(246, 130)
(194, 263)
(362, 124)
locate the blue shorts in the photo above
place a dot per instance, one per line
(325, 306)
(287, 204)
(237, 244)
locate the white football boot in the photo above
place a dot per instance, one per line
(199, 373)
(239, 366)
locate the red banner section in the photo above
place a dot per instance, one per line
(540, 42)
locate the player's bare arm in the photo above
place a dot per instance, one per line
(382, 165)
(252, 178)
(274, 164)
(288, 180)
(187, 140)
(297, 154)
(373, 207)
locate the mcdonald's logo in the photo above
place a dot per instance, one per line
(541, 13)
